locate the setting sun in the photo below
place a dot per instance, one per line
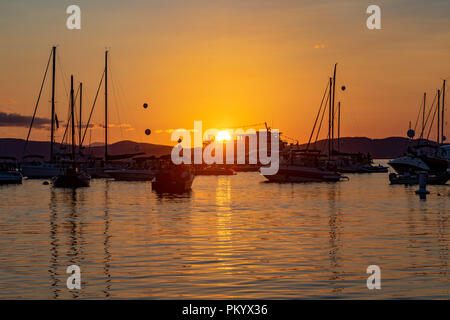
(223, 136)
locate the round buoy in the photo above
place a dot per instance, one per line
(145, 106)
(45, 183)
(411, 133)
(343, 88)
(179, 140)
(148, 132)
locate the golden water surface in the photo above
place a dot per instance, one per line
(231, 237)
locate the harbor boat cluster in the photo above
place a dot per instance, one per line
(423, 155)
(73, 166)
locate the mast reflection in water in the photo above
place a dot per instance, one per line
(230, 237)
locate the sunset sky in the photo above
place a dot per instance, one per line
(228, 63)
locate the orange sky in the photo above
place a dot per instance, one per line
(227, 63)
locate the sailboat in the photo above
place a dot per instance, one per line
(310, 165)
(102, 167)
(35, 166)
(425, 156)
(72, 176)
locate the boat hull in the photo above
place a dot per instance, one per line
(408, 164)
(303, 174)
(10, 178)
(433, 179)
(78, 180)
(214, 172)
(131, 175)
(98, 172)
(168, 181)
(41, 171)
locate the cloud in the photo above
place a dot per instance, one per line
(18, 120)
(126, 126)
(319, 46)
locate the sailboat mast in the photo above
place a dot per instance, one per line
(438, 121)
(52, 127)
(81, 99)
(106, 105)
(339, 127)
(72, 117)
(329, 118)
(332, 111)
(443, 108)
(438, 104)
(423, 114)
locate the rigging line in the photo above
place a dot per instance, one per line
(67, 126)
(321, 120)
(428, 116)
(418, 115)
(75, 114)
(246, 126)
(318, 114)
(116, 101)
(431, 125)
(117, 84)
(288, 137)
(63, 76)
(69, 117)
(92, 109)
(37, 103)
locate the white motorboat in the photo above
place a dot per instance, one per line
(408, 164)
(39, 169)
(8, 171)
(295, 173)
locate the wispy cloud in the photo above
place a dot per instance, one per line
(18, 120)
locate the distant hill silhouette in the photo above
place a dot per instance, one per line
(14, 147)
(386, 148)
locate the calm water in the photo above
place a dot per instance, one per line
(231, 237)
